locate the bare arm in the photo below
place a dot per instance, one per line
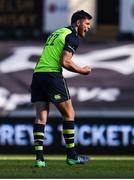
(68, 64)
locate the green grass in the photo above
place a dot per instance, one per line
(98, 167)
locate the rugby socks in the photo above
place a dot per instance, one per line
(68, 133)
(38, 133)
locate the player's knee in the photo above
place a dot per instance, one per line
(41, 119)
(70, 115)
(73, 114)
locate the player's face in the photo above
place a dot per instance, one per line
(83, 27)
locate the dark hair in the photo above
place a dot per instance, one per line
(80, 15)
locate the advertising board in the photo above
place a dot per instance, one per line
(93, 136)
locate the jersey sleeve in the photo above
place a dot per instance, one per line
(71, 43)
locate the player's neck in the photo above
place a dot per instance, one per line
(74, 27)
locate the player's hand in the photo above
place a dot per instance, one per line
(86, 70)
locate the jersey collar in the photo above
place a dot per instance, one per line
(72, 28)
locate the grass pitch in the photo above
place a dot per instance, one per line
(99, 167)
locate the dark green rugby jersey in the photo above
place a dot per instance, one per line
(62, 39)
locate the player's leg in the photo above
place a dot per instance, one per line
(40, 99)
(68, 114)
(42, 110)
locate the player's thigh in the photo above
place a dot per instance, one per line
(57, 88)
(66, 109)
(39, 88)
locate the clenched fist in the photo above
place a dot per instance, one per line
(86, 70)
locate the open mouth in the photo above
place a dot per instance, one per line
(86, 30)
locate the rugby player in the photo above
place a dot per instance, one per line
(49, 86)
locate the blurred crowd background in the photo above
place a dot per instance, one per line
(32, 19)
